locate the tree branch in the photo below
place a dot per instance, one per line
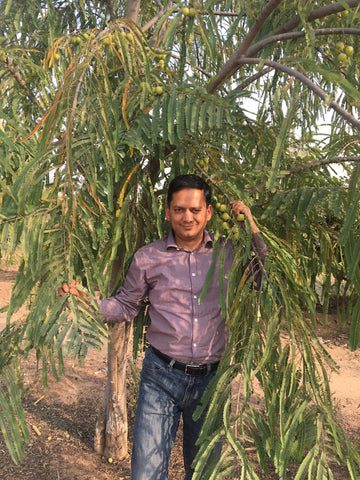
(252, 79)
(317, 13)
(132, 10)
(308, 83)
(320, 163)
(16, 74)
(110, 9)
(254, 49)
(308, 166)
(232, 64)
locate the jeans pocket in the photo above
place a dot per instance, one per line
(152, 363)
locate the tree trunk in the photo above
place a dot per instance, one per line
(111, 433)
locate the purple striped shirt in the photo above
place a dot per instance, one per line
(172, 279)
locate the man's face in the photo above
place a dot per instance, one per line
(188, 214)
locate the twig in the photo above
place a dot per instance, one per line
(39, 399)
(157, 17)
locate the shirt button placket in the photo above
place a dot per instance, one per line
(195, 323)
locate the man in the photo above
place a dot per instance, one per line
(187, 339)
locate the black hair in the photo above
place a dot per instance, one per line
(189, 181)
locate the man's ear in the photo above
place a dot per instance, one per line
(167, 213)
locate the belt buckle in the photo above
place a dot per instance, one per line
(196, 369)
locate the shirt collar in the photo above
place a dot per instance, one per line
(170, 241)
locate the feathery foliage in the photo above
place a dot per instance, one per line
(99, 113)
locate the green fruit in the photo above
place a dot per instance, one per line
(192, 12)
(130, 37)
(218, 205)
(225, 226)
(158, 90)
(110, 460)
(161, 63)
(122, 34)
(340, 46)
(57, 57)
(349, 50)
(222, 208)
(106, 41)
(225, 216)
(345, 13)
(240, 217)
(342, 57)
(186, 11)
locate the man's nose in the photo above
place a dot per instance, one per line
(188, 216)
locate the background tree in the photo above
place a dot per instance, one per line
(103, 103)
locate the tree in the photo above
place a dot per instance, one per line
(99, 112)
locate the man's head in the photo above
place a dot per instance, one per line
(188, 209)
(189, 181)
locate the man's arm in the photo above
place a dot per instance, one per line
(126, 303)
(255, 266)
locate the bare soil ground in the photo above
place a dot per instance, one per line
(62, 418)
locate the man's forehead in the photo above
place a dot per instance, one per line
(188, 195)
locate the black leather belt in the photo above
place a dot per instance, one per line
(190, 368)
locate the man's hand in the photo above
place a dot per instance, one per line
(72, 290)
(237, 207)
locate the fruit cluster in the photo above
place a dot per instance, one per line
(189, 12)
(345, 52)
(228, 224)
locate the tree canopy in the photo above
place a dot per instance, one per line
(102, 104)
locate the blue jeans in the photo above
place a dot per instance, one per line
(165, 394)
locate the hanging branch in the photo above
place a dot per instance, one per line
(308, 83)
(232, 64)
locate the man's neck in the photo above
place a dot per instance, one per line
(189, 245)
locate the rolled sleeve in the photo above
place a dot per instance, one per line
(127, 301)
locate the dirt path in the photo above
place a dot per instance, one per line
(65, 413)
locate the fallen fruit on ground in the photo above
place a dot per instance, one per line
(158, 90)
(110, 460)
(186, 11)
(340, 46)
(342, 57)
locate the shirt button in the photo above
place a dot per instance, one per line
(195, 296)
(195, 319)
(194, 344)
(193, 274)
